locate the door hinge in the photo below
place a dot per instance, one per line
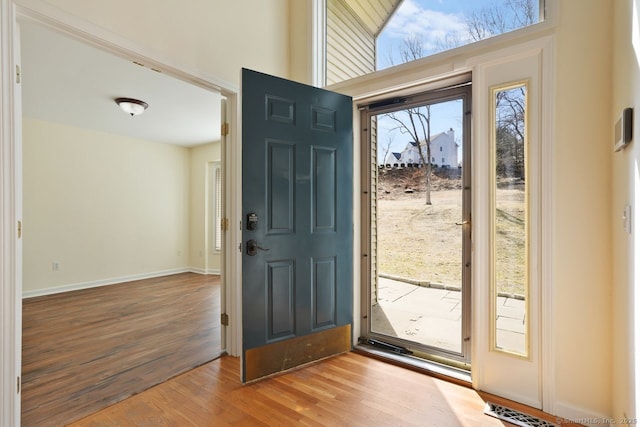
(19, 229)
(240, 247)
(224, 319)
(225, 224)
(17, 74)
(18, 385)
(224, 129)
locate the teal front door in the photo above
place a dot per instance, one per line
(297, 202)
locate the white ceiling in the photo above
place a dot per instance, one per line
(70, 82)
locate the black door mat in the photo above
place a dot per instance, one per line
(515, 417)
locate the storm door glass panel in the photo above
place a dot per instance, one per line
(510, 268)
(418, 213)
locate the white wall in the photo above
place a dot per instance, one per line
(109, 208)
(300, 38)
(102, 205)
(582, 213)
(217, 37)
(626, 190)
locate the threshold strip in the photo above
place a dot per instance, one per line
(429, 367)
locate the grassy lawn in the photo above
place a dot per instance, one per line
(423, 242)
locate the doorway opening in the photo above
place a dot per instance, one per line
(417, 227)
(110, 199)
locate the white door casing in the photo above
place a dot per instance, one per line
(10, 218)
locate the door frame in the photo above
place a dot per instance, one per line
(10, 215)
(11, 185)
(460, 89)
(429, 73)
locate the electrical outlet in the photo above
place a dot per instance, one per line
(55, 265)
(179, 253)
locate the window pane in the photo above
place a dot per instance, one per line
(417, 216)
(421, 28)
(510, 225)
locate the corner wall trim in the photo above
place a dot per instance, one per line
(111, 281)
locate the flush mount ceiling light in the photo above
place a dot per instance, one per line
(131, 106)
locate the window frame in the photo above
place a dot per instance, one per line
(216, 207)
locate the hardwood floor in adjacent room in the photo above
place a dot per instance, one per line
(345, 390)
(85, 350)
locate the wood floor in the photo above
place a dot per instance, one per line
(89, 358)
(85, 350)
(346, 390)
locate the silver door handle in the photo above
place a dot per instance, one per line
(463, 223)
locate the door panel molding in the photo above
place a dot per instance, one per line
(281, 166)
(324, 190)
(281, 299)
(325, 291)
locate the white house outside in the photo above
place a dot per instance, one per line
(444, 152)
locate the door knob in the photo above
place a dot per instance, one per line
(253, 248)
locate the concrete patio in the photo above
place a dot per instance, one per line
(433, 316)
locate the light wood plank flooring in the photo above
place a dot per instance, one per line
(346, 390)
(85, 350)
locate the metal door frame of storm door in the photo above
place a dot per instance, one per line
(369, 169)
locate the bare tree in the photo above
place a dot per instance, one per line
(416, 121)
(510, 131)
(386, 147)
(493, 20)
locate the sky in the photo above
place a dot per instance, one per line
(432, 20)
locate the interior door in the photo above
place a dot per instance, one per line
(297, 201)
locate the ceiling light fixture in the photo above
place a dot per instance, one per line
(131, 106)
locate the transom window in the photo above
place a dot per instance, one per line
(363, 36)
(421, 28)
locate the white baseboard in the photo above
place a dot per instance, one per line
(582, 415)
(212, 271)
(112, 281)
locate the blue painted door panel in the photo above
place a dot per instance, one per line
(297, 177)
